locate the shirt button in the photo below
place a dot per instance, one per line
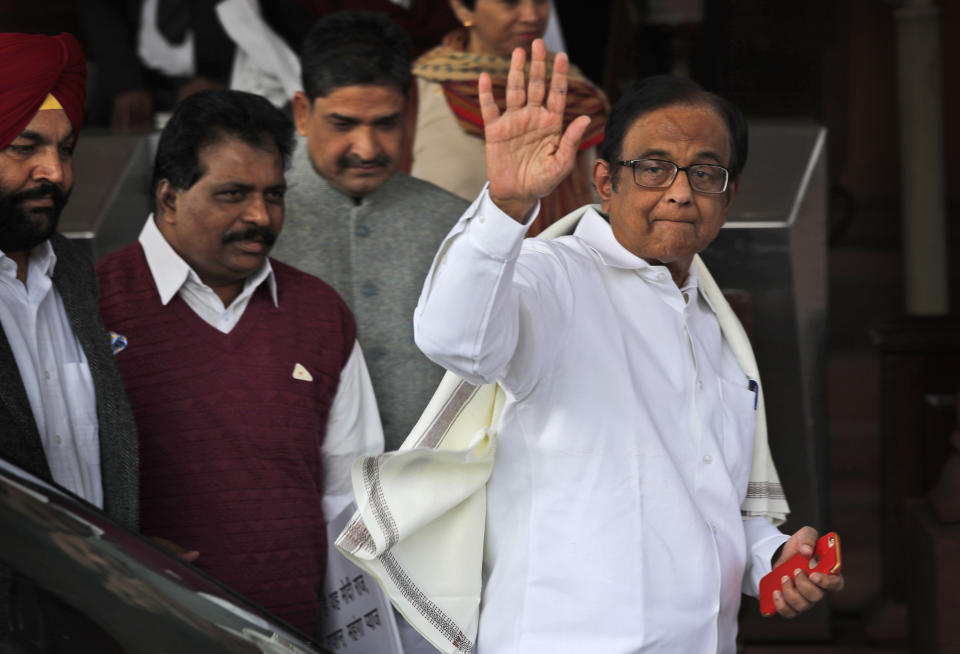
(58, 440)
(699, 385)
(369, 289)
(362, 230)
(661, 277)
(480, 219)
(46, 374)
(707, 458)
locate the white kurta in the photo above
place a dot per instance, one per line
(54, 371)
(625, 444)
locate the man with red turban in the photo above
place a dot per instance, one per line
(64, 416)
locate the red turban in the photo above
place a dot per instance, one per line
(35, 65)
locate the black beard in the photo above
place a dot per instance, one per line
(22, 230)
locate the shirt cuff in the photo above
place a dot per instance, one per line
(763, 539)
(498, 235)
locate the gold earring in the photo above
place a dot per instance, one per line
(468, 24)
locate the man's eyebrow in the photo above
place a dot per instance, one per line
(710, 154)
(357, 121)
(656, 153)
(653, 153)
(42, 139)
(233, 186)
(342, 118)
(388, 118)
(243, 186)
(30, 135)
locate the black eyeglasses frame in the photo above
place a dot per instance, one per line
(677, 170)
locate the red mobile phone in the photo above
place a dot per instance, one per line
(827, 551)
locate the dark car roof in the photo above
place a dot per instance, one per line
(74, 568)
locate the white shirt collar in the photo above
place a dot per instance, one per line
(170, 272)
(42, 260)
(596, 232)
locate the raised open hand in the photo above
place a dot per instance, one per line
(527, 151)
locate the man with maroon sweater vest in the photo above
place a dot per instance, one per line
(247, 383)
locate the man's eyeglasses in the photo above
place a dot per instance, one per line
(657, 173)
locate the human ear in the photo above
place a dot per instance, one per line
(301, 112)
(603, 181)
(464, 15)
(732, 189)
(167, 199)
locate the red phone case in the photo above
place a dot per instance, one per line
(828, 552)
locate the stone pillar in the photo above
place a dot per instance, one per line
(921, 157)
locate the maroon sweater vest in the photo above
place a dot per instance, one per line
(230, 457)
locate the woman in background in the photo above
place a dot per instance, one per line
(448, 142)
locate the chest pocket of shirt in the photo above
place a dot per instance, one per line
(81, 403)
(739, 421)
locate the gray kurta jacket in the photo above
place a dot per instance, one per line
(376, 255)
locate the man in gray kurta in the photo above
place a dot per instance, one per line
(352, 217)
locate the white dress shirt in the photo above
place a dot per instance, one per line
(353, 427)
(625, 444)
(54, 371)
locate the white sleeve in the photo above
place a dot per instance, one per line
(481, 299)
(353, 429)
(763, 539)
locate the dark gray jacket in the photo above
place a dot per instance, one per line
(75, 280)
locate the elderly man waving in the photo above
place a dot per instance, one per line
(625, 510)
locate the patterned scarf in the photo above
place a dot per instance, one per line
(457, 71)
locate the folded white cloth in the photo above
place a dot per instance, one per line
(419, 528)
(263, 63)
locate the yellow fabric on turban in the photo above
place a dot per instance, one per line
(50, 103)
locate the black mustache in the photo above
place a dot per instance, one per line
(42, 190)
(252, 233)
(353, 161)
